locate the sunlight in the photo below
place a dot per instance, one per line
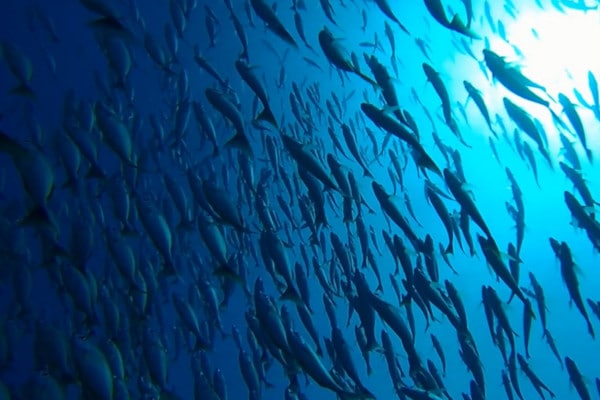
(556, 50)
(563, 51)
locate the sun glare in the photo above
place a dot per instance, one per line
(557, 49)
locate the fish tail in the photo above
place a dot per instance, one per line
(241, 142)
(291, 294)
(225, 271)
(37, 216)
(403, 27)
(23, 89)
(168, 269)
(267, 115)
(512, 295)
(223, 304)
(588, 153)
(71, 184)
(366, 78)
(95, 172)
(449, 248)
(128, 230)
(319, 351)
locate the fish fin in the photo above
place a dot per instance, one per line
(449, 249)
(291, 294)
(23, 89)
(38, 216)
(267, 115)
(241, 142)
(225, 271)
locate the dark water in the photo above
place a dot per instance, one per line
(108, 288)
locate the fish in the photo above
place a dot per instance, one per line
(344, 358)
(37, 177)
(443, 213)
(567, 270)
(94, 370)
(540, 299)
(328, 10)
(300, 28)
(313, 366)
(384, 121)
(535, 381)
(436, 10)
(512, 78)
(476, 95)
(583, 218)
(211, 22)
(575, 120)
(222, 104)
(385, 7)
(527, 321)
(266, 13)
(239, 30)
(526, 124)
(335, 54)
(579, 183)
(577, 379)
(144, 231)
(492, 255)
(385, 82)
(392, 211)
(307, 161)
(440, 88)
(467, 204)
(248, 75)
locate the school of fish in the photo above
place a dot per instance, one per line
(135, 223)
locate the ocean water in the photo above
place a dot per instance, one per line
(123, 273)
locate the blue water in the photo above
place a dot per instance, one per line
(70, 75)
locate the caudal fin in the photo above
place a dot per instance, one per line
(449, 248)
(588, 153)
(291, 294)
(240, 141)
(267, 115)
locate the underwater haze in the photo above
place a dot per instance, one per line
(299, 199)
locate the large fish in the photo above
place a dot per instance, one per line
(466, 202)
(266, 13)
(477, 98)
(387, 204)
(511, 78)
(307, 161)
(567, 270)
(221, 103)
(386, 8)
(336, 55)
(577, 379)
(575, 120)
(442, 212)
(402, 131)
(248, 75)
(436, 9)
